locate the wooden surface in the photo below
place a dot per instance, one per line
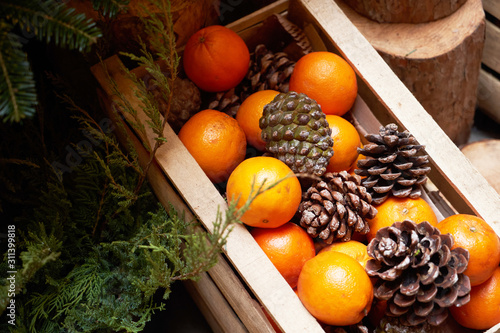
(485, 156)
(462, 185)
(405, 11)
(488, 100)
(492, 7)
(488, 95)
(438, 62)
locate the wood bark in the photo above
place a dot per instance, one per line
(439, 62)
(405, 11)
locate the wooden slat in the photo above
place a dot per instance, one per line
(205, 202)
(222, 274)
(492, 7)
(258, 16)
(390, 100)
(488, 95)
(491, 51)
(216, 310)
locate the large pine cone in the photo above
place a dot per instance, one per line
(392, 165)
(417, 272)
(335, 207)
(296, 132)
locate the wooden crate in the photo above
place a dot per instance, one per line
(233, 294)
(488, 99)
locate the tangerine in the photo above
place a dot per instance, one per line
(346, 142)
(352, 248)
(249, 114)
(396, 209)
(216, 58)
(335, 289)
(288, 247)
(273, 207)
(211, 133)
(483, 309)
(475, 235)
(326, 78)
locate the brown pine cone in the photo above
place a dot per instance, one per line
(417, 272)
(186, 101)
(392, 165)
(335, 207)
(226, 101)
(268, 70)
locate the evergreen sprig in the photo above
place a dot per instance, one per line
(17, 86)
(47, 21)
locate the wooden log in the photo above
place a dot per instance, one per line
(439, 62)
(405, 11)
(485, 156)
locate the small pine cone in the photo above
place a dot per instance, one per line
(417, 272)
(227, 101)
(335, 207)
(186, 101)
(392, 165)
(268, 70)
(390, 324)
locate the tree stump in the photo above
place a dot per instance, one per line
(438, 61)
(405, 11)
(485, 156)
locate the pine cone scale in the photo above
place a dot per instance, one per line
(418, 273)
(391, 159)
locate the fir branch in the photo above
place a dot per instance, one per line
(51, 20)
(110, 8)
(17, 85)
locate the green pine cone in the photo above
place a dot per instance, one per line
(296, 132)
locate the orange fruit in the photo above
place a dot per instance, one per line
(273, 207)
(483, 309)
(326, 78)
(475, 235)
(288, 247)
(335, 289)
(352, 248)
(346, 142)
(249, 114)
(216, 58)
(216, 142)
(396, 209)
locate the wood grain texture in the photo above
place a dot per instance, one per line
(389, 99)
(405, 11)
(491, 52)
(488, 96)
(492, 7)
(485, 156)
(438, 61)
